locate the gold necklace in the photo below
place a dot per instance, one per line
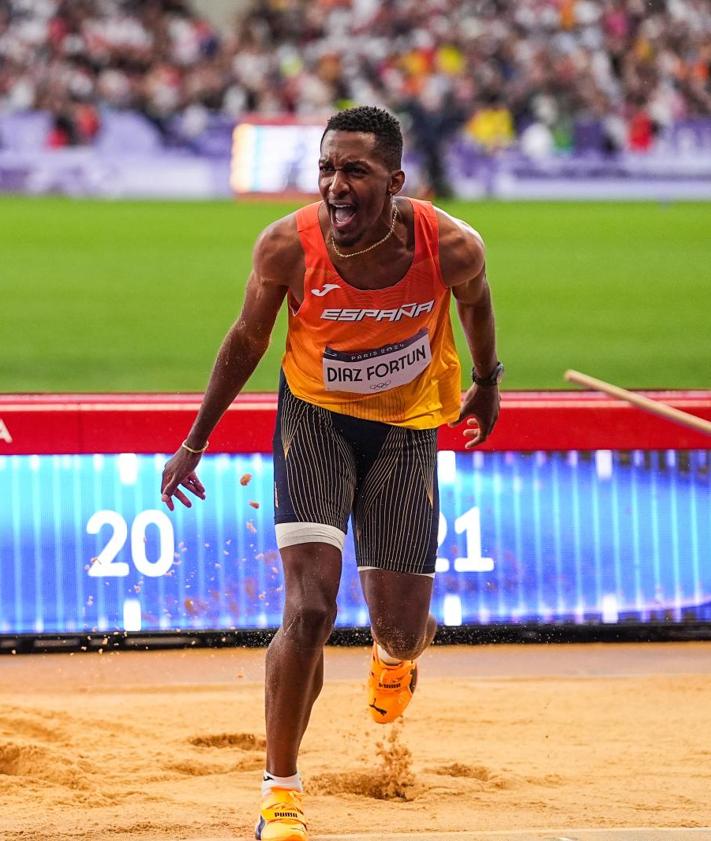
(370, 247)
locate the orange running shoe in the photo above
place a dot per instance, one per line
(281, 817)
(390, 688)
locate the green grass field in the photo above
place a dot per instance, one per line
(99, 296)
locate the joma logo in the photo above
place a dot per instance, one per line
(325, 289)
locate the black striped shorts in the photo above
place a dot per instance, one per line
(329, 467)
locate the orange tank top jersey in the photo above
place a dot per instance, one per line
(380, 354)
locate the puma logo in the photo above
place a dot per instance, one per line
(378, 709)
(325, 289)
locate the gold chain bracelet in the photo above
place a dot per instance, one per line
(184, 445)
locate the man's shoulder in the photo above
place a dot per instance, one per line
(280, 235)
(454, 231)
(461, 248)
(278, 250)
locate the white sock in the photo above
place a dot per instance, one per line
(270, 781)
(386, 658)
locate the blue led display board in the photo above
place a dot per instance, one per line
(542, 537)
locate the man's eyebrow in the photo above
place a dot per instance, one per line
(358, 162)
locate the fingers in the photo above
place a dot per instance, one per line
(197, 483)
(195, 487)
(167, 498)
(166, 492)
(181, 496)
(170, 489)
(475, 433)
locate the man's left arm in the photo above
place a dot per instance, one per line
(462, 259)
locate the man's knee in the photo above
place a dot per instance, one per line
(309, 623)
(404, 644)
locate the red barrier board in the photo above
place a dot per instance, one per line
(40, 424)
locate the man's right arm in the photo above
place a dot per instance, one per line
(239, 354)
(277, 254)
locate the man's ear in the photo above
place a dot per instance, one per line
(397, 179)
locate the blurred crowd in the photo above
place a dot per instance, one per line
(498, 72)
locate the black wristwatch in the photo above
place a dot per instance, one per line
(494, 378)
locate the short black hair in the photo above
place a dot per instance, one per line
(372, 120)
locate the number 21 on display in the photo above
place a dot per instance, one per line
(469, 523)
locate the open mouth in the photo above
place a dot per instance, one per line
(342, 214)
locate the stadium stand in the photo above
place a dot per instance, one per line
(534, 78)
(567, 72)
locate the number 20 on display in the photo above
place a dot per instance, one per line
(105, 564)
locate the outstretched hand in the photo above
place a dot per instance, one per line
(180, 470)
(480, 409)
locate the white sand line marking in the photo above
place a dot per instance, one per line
(614, 834)
(618, 834)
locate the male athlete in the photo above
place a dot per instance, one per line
(369, 373)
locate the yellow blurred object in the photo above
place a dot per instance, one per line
(450, 60)
(492, 127)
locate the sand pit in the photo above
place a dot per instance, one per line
(165, 745)
(532, 835)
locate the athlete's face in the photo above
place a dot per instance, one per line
(356, 185)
